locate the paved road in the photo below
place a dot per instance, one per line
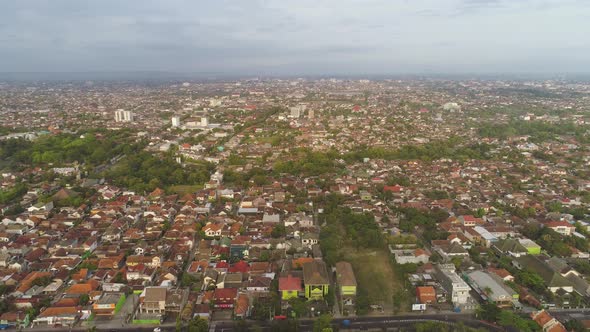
(382, 322)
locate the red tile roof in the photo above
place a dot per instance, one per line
(290, 283)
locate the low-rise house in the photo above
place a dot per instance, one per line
(149, 261)
(18, 319)
(290, 287)
(108, 304)
(315, 280)
(547, 322)
(531, 247)
(553, 280)
(415, 256)
(448, 249)
(426, 294)
(176, 299)
(225, 298)
(502, 274)
(346, 282)
(259, 284)
(511, 247)
(561, 227)
(230, 280)
(58, 316)
(492, 288)
(242, 307)
(309, 239)
(212, 230)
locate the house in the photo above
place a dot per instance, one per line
(511, 247)
(492, 288)
(561, 227)
(212, 230)
(58, 316)
(470, 221)
(415, 256)
(315, 280)
(531, 247)
(448, 249)
(346, 282)
(290, 287)
(108, 304)
(176, 299)
(425, 294)
(259, 284)
(552, 279)
(271, 218)
(485, 237)
(230, 280)
(83, 288)
(225, 298)
(19, 319)
(547, 322)
(151, 262)
(309, 239)
(153, 300)
(140, 271)
(502, 273)
(242, 307)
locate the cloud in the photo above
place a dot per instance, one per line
(290, 36)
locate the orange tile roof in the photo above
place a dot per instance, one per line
(542, 318)
(58, 311)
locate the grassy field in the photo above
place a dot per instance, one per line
(184, 189)
(374, 272)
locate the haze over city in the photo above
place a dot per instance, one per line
(296, 37)
(295, 166)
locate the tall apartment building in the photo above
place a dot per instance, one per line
(175, 121)
(123, 116)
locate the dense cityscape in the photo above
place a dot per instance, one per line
(295, 205)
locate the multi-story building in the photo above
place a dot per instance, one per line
(175, 121)
(453, 283)
(123, 116)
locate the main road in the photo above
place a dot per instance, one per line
(362, 323)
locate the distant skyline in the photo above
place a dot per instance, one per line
(303, 37)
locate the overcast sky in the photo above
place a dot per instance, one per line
(296, 36)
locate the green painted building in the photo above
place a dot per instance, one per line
(346, 282)
(315, 280)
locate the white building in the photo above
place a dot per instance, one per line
(175, 121)
(452, 107)
(296, 111)
(453, 284)
(123, 116)
(215, 102)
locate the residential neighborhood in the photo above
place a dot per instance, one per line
(269, 200)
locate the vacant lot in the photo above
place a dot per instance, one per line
(374, 272)
(185, 189)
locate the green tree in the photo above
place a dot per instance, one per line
(278, 231)
(198, 324)
(432, 326)
(574, 325)
(488, 312)
(323, 323)
(299, 306)
(84, 299)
